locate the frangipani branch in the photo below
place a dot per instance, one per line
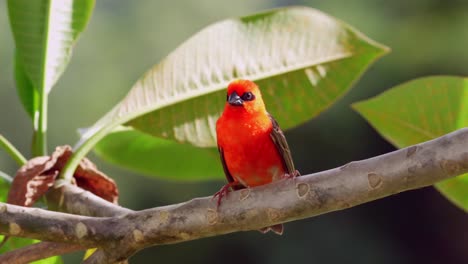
(355, 183)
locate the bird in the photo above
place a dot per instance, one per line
(251, 144)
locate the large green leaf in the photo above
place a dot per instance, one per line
(302, 59)
(421, 110)
(161, 157)
(28, 95)
(45, 32)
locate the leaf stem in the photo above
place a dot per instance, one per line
(80, 150)
(39, 147)
(6, 177)
(12, 151)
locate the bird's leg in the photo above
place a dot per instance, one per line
(225, 190)
(292, 176)
(295, 174)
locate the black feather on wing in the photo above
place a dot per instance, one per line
(226, 171)
(282, 146)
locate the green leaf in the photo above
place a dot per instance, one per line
(302, 59)
(45, 32)
(422, 110)
(161, 157)
(28, 95)
(51, 260)
(4, 187)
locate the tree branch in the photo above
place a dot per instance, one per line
(248, 209)
(37, 251)
(74, 200)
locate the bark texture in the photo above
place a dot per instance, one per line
(120, 232)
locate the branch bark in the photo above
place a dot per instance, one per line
(355, 183)
(71, 199)
(74, 200)
(37, 251)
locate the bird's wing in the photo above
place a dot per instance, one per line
(225, 168)
(282, 146)
(228, 175)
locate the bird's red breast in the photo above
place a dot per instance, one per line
(244, 138)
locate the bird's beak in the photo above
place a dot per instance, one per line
(235, 100)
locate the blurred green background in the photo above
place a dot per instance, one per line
(125, 38)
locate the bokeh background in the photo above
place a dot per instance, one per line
(125, 38)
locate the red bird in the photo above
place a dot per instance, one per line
(252, 147)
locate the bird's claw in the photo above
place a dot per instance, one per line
(221, 193)
(295, 174)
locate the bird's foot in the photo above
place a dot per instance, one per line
(295, 174)
(223, 192)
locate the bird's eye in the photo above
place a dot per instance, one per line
(227, 97)
(248, 96)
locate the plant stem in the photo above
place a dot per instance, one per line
(6, 177)
(39, 147)
(12, 151)
(80, 150)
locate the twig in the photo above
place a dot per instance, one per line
(6, 177)
(38, 251)
(248, 209)
(12, 151)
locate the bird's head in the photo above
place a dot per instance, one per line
(244, 94)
